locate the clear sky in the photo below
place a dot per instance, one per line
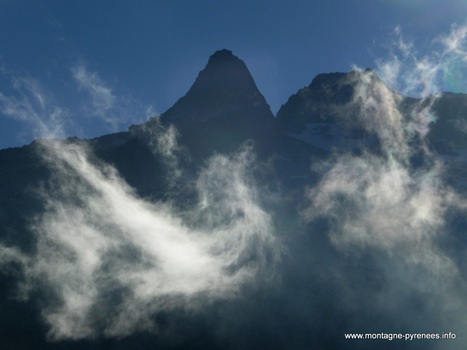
(88, 68)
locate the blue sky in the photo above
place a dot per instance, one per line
(88, 68)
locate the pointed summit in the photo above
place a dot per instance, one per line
(224, 70)
(224, 89)
(223, 57)
(222, 109)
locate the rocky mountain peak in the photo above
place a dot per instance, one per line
(224, 71)
(223, 89)
(223, 106)
(221, 57)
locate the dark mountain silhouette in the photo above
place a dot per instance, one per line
(224, 90)
(222, 109)
(322, 292)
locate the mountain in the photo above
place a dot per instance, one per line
(222, 109)
(224, 90)
(326, 113)
(217, 225)
(342, 112)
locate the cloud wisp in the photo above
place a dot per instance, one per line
(109, 260)
(113, 260)
(385, 200)
(27, 100)
(112, 108)
(31, 103)
(103, 99)
(382, 201)
(163, 142)
(389, 207)
(436, 71)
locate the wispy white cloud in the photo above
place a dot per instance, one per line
(390, 206)
(379, 199)
(27, 100)
(163, 142)
(417, 74)
(375, 203)
(112, 108)
(31, 103)
(113, 260)
(109, 259)
(103, 100)
(455, 41)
